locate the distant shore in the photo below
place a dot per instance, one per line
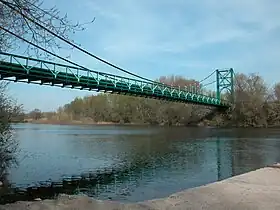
(73, 122)
(87, 122)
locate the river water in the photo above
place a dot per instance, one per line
(165, 160)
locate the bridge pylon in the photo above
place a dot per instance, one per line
(225, 82)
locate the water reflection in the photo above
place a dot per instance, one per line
(149, 162)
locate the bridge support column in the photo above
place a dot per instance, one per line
(225, 81)
(218, 93)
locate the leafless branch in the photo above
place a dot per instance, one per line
(49, 18)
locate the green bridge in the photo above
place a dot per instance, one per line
(25, 69)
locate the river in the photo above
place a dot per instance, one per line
(167, 160)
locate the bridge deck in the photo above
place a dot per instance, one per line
(36, 71)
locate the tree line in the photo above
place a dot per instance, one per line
(255, 105)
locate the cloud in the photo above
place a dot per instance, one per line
(148, 28)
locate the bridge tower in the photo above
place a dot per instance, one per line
(225, 82)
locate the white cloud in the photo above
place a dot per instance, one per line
(142, 28)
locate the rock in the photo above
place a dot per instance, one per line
(1, 184)
(37, 199)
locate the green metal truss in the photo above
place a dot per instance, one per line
(24, 69)
(224, 81)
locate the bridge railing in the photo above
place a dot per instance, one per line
(55, 68)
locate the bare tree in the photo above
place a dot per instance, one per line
(277, 92)
(35, 114)
(18, 16)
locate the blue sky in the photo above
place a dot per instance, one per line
(153, 38)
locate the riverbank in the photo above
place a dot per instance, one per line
(72, 122)
(81, 122)
(258, 189)
(90, 122)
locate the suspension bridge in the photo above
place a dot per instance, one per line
(19, 68)
(30, 70)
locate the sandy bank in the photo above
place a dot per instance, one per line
(258, 189)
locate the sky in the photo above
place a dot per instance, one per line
(163, 37)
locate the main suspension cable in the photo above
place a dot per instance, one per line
(64, 59)
(207, 77)
(210, 83)
(53, 54)
(45, 50)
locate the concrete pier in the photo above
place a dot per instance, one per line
(255, 190)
